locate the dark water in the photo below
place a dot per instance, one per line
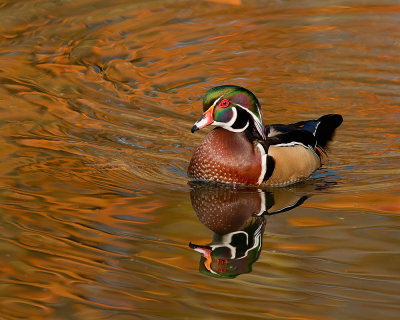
(97, 100)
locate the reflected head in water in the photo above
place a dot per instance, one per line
(237, 218)
(233, 253)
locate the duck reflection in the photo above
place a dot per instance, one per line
(237, 216)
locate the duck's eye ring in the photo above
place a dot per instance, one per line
(224, 103)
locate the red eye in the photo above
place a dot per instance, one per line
(224, 103)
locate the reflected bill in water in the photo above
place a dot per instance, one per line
(237, 216)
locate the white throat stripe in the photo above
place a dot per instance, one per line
(257, 122)
(228, 125)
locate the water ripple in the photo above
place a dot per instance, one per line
(98, 99)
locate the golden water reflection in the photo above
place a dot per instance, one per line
(97, 100)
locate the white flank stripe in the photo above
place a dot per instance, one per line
(263, 207)
(291, 144)
(294, 143)
(263, 163)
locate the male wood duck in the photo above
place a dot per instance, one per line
(242, 150)
(237, 218)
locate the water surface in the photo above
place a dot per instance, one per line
(97, 102)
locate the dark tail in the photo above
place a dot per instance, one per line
(326, 128)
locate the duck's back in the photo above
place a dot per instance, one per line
(296, 148)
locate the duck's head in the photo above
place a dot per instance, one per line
(233, 108)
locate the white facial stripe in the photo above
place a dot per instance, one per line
(227, 239)
(216, 101)
(263, 163)
(257, 241)
(240, 129)
(257, 122)
(228, 125)
(225, 243)
(204, 121)
(234, 117)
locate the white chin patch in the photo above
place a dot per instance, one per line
(203, 123)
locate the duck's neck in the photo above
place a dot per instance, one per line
(252, 134)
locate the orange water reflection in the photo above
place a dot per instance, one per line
(97, 102)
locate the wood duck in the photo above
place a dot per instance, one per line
(237, 216)
(241, 150)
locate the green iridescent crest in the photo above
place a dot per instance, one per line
(240, 99)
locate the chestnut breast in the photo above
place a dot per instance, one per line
(223, 210)
(226, 156)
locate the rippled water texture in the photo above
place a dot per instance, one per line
(97, 99)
